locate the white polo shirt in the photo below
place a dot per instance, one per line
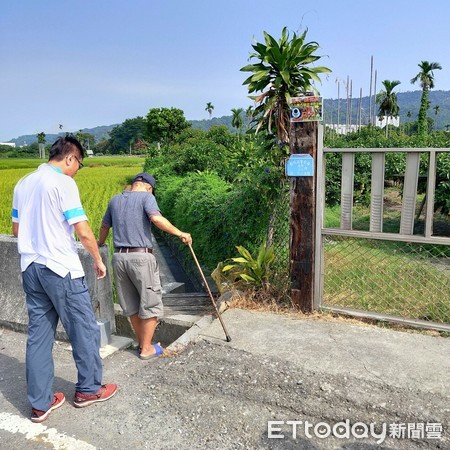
(46, 204)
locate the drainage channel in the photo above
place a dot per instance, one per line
(182, 311)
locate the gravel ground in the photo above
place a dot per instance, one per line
(212, 396)
(218, 397)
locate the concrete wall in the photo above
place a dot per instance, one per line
(13, 311)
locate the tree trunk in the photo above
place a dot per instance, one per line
(303, 139)
(422, 125)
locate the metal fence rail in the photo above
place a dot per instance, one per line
(401, 277)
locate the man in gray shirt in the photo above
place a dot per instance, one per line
(136, 274)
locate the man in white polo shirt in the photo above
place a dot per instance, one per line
(46, 212)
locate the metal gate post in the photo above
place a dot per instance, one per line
(320, 212)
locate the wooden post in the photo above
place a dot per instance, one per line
(303, 139)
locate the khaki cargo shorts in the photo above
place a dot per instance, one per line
(138, 286)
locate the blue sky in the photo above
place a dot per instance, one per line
(85, 63)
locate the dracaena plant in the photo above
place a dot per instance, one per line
(284, 70)
(251, 270)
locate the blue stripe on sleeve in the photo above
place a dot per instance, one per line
(15, 213)
(73, 213)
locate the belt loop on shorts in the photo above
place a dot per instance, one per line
(134, 250)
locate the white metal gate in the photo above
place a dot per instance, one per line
(384, 263)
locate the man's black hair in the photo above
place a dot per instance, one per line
(63, 147)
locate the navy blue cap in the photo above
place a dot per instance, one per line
(145, 177)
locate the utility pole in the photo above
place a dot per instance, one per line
(374, 115)
(370, 90)
(338, 107)
(350, 106)
(347, 86)
(359, 109)
(302, 140)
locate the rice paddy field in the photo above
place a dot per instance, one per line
(98, 181)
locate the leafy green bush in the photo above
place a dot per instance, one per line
(192, 204)
(220, 134)
(199, 155)
(218, 214)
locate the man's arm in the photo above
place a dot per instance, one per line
(15, 229)
(163, 224)
(104, 231)
(88, 241)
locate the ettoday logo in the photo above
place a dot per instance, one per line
(357, 430)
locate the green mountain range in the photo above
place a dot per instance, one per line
(99, 133)
(409, 102)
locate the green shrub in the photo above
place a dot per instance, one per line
(218, 214)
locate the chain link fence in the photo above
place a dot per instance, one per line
(278, 237)
(387, 277)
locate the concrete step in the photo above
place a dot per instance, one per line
(173, 277)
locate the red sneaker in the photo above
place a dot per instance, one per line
(39, 416)
(107, 391)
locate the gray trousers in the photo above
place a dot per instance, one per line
(49, 298)
(138, 285)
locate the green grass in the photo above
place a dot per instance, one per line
(387, 277)
(397, 278)
(391, 223)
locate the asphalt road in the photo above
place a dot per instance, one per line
(280, 384)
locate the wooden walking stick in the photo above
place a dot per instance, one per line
(209, 292)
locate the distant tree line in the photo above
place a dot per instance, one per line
(141, 135)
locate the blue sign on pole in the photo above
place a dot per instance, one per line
(300, 165)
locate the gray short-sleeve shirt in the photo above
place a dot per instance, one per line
(128, 215)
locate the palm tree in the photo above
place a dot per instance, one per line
(41, 142)
(426, 79)
(209, 108)
(249, 114)
(281, 72)
(236, 118)
(408, 124)
(41, 137)
(387, 99)
(436, 111)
